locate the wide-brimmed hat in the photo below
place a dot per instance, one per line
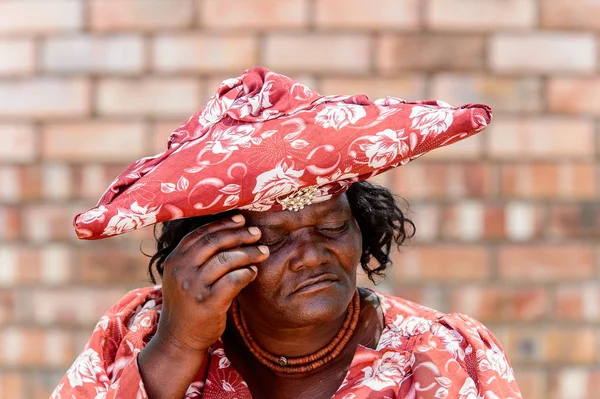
(266, 142)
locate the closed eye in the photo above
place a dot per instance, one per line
(334, 229)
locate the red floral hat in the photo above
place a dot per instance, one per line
(265, 142)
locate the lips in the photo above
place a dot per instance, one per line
(316, 280)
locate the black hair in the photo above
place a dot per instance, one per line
(382, 224)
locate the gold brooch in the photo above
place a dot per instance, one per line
(298, 199)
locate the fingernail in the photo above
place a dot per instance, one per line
(237, 218)
(254, 268)
(254, 230)
(264, 249)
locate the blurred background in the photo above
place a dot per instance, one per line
(508, 223)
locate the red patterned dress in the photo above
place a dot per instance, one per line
(421, 353)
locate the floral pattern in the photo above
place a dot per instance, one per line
(421, 353)
(266, 134)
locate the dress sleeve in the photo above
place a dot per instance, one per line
(107, 367)
(462, 359)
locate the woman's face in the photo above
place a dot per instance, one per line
(310, 275)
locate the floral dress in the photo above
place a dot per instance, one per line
(421, 353)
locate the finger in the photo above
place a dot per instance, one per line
(230, 285)
(211, 244)
(225, 223)
(226, 261)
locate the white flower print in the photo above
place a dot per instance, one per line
(340, 115)
(276, 182)
(194, 390)
(93, 215)
(385, 147)
(254, 105)
(431, 120)
(469, 390)
(134, 218)
(494, 360)
(386, 372)
(103, 323)
(413, 325)
(444, 383)
(214, 110)
(87, 368)
(230, 139)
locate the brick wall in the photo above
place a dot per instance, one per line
(508, 222)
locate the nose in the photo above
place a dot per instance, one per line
(308, 250)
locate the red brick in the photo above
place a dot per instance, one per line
(90, 181)
(470, 149)
(549, 180)
(22, 183)
(574, 382)
(18, 143)
(574, 96)
(17, 56)
(13, 384)
(204, 53)
(7, 299)
(147, 15)
(43, 98)
(441, 262)
(578, 302)
(539, 138)
(533, 383)
(503, 94)
(375, 14)
(552, 345)
(468, 15)
(410, 88)
(111, 265)
(496, 303)
(428, 219)
(471, 221)
(545, 52)
(10, 223)
(253, 14)
(581, 220)
(160, 134)
(443, 180)
(89, 54)
(28, 346)
(570, 345)
(47, 222)
(343, 53)
(72, 306)
(48, 16)
(429, 52)
(150, 96)
(546, 263)
(93, 141)
(57, 181)
(570, 14)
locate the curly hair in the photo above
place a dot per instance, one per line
(382, 224)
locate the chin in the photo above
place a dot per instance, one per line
(321, 305)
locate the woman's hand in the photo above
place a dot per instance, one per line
(202, 276)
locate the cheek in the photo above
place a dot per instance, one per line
(350, 249)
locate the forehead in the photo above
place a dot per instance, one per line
(337, 207)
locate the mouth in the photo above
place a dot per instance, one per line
(316, 283)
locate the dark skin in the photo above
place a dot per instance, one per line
(264, 267)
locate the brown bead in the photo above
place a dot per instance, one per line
(306, 363)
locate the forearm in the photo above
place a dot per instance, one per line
(168, 371)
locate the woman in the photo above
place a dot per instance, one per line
(259, 295)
